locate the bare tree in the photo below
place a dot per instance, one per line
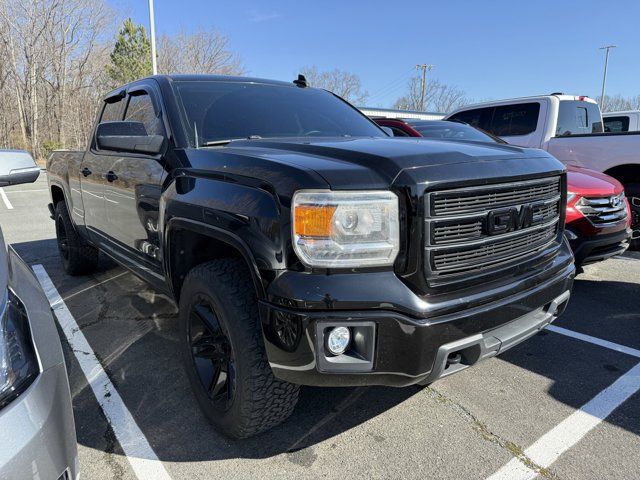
(439, 97)
(52, 68)
(48, 70)
(205, 51)
(617, 103)
(344, 84)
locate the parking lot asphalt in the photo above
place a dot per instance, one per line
(470, 425)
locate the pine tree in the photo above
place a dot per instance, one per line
(131, 56)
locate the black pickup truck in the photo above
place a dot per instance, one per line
(304, 246)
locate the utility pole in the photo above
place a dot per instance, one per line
(604, 77)
(423, 86)
(152, 28)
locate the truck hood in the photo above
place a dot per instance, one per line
(587, 182)
(348, 163)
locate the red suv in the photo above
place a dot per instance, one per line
(598, 221)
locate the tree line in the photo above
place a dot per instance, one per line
(59, 57)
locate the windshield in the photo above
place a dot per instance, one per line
(217, 111)
(452, 131)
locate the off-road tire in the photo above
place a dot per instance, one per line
(78, 257)
(260, 400)
(632, 190)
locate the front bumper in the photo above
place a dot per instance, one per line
(591, 249)
(408, 349)
(37, 430)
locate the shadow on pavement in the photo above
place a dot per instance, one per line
(604, 309)
(133, 330)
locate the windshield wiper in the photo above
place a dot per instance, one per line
(213, 143)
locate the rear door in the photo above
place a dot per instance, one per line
(134, 184)
(93, 169)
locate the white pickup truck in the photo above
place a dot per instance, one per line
(627, 121)
(571, 129)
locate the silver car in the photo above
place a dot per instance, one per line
(37, 432)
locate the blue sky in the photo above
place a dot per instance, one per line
(490, 49)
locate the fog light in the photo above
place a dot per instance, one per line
(338, 340)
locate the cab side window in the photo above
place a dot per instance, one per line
(616, 124)
(503, 120)
(140, 109)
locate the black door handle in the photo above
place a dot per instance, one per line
(85, 171)
(111, 176)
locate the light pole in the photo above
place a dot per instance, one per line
(152, 28)
(423, 86)
(604, 77)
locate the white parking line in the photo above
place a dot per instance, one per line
(29, 191)
(548, 448)
(5, 199)
(143, 460)
(570, 431)
(596, 341)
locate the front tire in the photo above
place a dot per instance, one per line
(223, 351)
(78, 256)
(632, 191)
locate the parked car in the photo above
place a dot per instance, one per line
(36, 417)
(598, 217)
(439, 129)
(571, 129)
(616, 122)
(304, 246)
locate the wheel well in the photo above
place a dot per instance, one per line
(625, 173)
(188, 249)
(57, 195)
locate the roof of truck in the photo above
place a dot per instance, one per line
(222, 78)
(620, 112)
(559, 96)
(198, 78)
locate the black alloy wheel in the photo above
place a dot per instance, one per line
(212, 354)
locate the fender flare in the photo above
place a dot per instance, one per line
(218, 234)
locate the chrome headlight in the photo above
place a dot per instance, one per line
(345, 229)
(18, 363)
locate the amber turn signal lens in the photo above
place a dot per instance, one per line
(313, 220)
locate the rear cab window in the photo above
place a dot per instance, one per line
(577, 117)
(616, 124)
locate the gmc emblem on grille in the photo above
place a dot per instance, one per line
(508, 219)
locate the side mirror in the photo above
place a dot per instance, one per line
(16, 167)
(128, 137)
(387, 130)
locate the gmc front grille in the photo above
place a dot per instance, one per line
(474, 230)
(603, 209)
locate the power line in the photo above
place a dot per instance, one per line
(392, 86)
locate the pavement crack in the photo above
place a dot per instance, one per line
(481, 428)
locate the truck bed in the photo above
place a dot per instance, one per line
(598, 151)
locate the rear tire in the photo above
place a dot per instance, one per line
(223, 351)
(78, 256)
(632, 190)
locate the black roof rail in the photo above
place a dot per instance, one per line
(557, 93)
